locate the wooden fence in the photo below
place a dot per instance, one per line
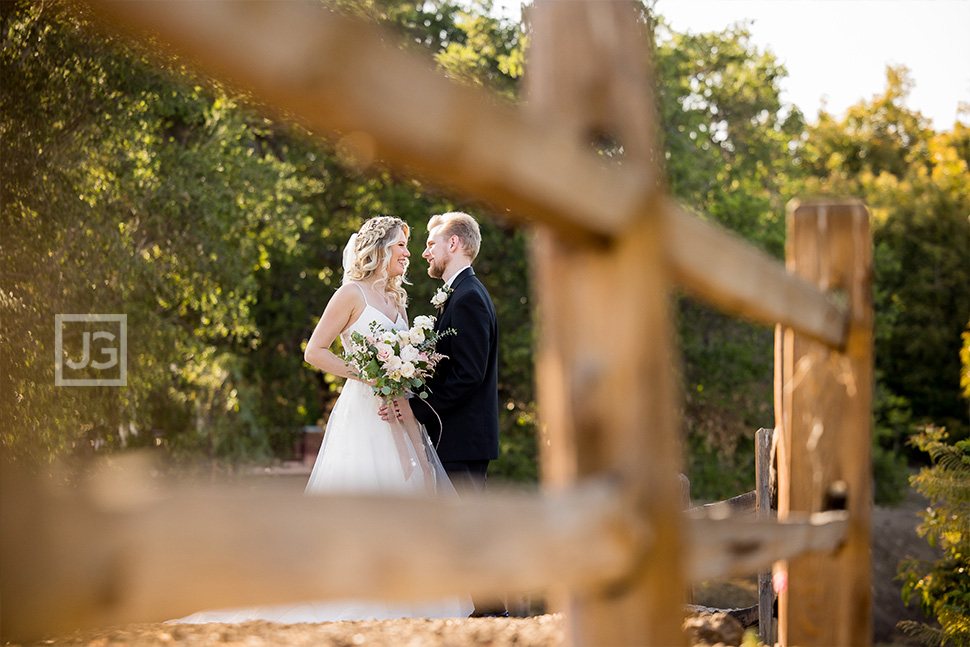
(760, 503)
(607, 535)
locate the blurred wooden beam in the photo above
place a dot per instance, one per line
(615, 243)
(742, 504)
(346, 77)
(741, 546)
(122, 551)
(740, 279)
(605, 360)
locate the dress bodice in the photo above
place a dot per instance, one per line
(367, 317)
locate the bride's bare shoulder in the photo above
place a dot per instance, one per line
(348, 296)
(351, 288)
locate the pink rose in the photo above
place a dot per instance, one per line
(384, 352)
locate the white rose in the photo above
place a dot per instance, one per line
(409, 353)
(393, 365)
(416, 335)
(424, 322)
(389, 337)
(407, 369)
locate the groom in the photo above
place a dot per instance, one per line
(464, 388)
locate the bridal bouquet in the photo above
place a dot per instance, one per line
(398, 362)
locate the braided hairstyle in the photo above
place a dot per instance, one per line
(371, 255)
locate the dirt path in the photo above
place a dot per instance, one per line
(541, 631)
(894, 538)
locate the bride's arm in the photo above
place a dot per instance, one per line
(342, 310)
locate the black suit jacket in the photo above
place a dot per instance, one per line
(464, 388)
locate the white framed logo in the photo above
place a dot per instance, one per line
(91, 350)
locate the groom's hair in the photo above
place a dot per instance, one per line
(460, 224)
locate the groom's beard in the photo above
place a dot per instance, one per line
(436, 269)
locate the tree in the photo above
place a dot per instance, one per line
(917, 185)
(728, 141)
(132, 186)
(129, 187)
(726, 134)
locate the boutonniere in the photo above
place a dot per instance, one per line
(440, 297)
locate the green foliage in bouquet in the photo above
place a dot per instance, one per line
(397, 362)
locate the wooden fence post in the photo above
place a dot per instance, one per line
(825, 429)
(763, 487)
(605, 366)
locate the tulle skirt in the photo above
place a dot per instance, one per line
(362, 454)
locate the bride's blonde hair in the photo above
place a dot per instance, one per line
(368, 254)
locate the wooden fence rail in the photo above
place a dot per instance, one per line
(607, 533)
(123, 550)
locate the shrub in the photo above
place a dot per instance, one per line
(943, 586)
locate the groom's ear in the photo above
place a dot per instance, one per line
(454, 244)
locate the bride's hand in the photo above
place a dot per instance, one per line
(382, 412)
(398, 408)
(354, 376)
(388, 411)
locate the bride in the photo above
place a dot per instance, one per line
(361, 453)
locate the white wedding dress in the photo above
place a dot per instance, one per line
(362, 454)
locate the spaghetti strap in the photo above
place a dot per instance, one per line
(362, 293)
